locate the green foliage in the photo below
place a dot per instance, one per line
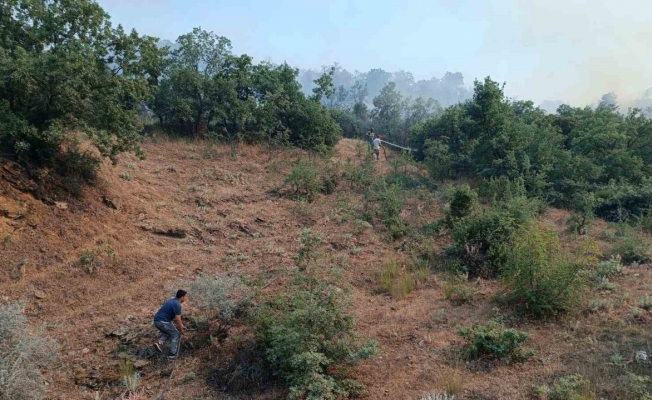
(610, 267)
(493, 340)
(463, 201)
(388, 201)
(304, 181)
(307, 252)
(92, 260)
(563, 157)
(206, 91)
(308, 338)
(630, 246)
(538, 279)
(570, 387)
(23, 356)
(66, 69)
(481, 240)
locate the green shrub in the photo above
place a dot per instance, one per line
(91, 260)
(571, 387)
(463, 201)
(360, 176)
(481, 240)
(645, 303)
(610, 267)
(308, 338)
(388, 203)
(630, 247)
(457, 291)
(493, 340)
(330, 179)
(304, 181)
(23, 355)
(537, 277)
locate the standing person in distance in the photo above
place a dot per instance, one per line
(376, 145)
(370, 137)
(168, 320)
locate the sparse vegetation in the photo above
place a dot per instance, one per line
(93, 260)
(23, 356)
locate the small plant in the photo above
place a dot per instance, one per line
(616, 358)
(457, 291)
(636, 313)
(609, 268)
(130, 377)
(189, 377)
(571, 387)
(130, 166)
(645, 303)
(304, 181)
(493, 340)
(579, 223)
(126, 176)
(596, 305)
(309, 243)
(92, 260)
(606, 285)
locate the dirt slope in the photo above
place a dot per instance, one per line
(191, 209)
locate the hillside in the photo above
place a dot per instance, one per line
(191, 209)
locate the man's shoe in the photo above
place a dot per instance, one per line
(171, 358)
(158, 346)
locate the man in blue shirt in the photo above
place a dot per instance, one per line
(165, 320)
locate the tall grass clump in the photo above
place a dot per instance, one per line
(23, 355)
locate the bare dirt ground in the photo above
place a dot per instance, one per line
(191, 209)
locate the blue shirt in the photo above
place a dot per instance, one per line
(168, 311)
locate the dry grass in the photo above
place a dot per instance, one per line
(232, 211)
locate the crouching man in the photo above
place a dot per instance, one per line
(168, 320)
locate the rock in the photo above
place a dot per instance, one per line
(113, 202)
(140, 363)
(39, 294)
(61, 205)
(171, 268)
(178, 233)
(86, 350)
(5, 298)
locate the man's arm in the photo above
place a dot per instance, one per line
(179, 324)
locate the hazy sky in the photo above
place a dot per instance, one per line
(572, 50)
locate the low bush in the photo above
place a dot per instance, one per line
(610, 267)
(308, 339)
(630, 247)
(481, 240)
(494, 341)
(92, 260)
(539, 280)
(23, 355)
(387, 203)
(571, 387)
(304, 181)
(463, 201)
(457, 291)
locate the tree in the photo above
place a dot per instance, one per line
(66, 69)
(191, 85)
(387, 114)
